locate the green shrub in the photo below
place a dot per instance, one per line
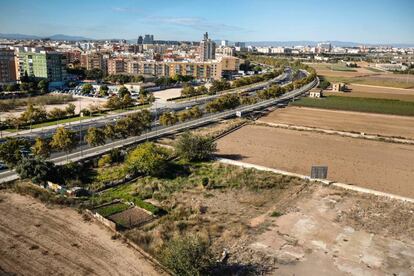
(189, 255)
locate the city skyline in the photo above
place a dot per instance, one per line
(371, 22)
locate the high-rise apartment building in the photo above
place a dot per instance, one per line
(140, 40)
(224, 43)
(93, 61)
(7, 66)
(117, 66)
(207, 49)
(42, 64)
(148, 39)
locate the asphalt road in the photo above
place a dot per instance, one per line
(84, 152)
(155, 110)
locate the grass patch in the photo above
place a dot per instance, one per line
(111, 209)
(341, 68)
(382, 106)
(276, 214)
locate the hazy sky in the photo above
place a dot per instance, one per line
(368, 21)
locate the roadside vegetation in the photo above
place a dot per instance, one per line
(382, 106)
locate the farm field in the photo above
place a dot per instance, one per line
(366, 91)
(370, 105)
(40, 240)
(363, 75)
(369, 123)
(376, 165)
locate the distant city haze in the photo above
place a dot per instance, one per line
(369, 21)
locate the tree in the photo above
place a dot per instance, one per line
(168, 119)
(86, 89)
(94, 74)
(148, 159)
(34, 114)
(70, 109)
(43, 86)
(41, 148)
(57, 113)
(188, 91)
(227, 101)
(103, 90)
(11, 150)
(95, 136)
(36, 169)
(63, 140)
(122, 91)
(188, 256)
(114, 103)
(192, 147)
(202, 90)
(110, 132)
(219, 85)
(127, 101)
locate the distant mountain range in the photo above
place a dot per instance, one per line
(52, 37)
(252, 43)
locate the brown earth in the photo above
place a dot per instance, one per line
(378, 92)
(327, 231)
(364, 76)
(37, 240)
(372, 164)
(369, 123)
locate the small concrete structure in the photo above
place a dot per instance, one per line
(316, 94)
(338, 87)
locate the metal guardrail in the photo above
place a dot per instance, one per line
(99, 150)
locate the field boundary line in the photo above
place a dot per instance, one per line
(361, 135)
(321, 181)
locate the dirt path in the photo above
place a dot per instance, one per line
(37, 240)
(379, 166)
(385, 125)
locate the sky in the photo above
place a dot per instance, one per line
(364, 21)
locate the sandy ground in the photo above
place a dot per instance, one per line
(168, 94)
(376, 165)
(379, 92)
(80, 103)
(333, 232)
(36, 240)
(385, 125)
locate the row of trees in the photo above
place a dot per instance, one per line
(27, 85)
(38, 114)
(189, 90)
(224, 102)
(122, 79)
(171, 118)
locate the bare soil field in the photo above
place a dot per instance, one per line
(131, 217)
(326, 231)
(376, 165)
(300, 229)
(38, 240)
(369, 123)
(366, 91)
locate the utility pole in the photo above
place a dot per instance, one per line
(80, 126)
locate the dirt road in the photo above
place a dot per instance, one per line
(37, 240)
(369, 123)
(376, 165)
